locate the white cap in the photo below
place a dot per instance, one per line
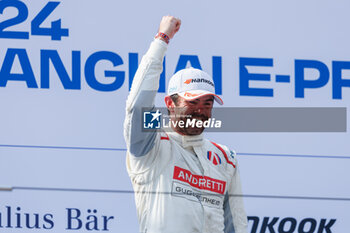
(191, 83)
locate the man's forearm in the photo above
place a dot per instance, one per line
(147, 76)
(148, 73)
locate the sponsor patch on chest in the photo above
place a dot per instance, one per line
(192, 194)
(198, 181)
(202, 189)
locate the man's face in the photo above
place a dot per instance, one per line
(199, 109)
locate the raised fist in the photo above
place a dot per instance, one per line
(169, 25)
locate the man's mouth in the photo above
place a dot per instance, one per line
(199, 117)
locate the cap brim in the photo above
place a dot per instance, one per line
(194, 94)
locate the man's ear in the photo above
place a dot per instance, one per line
(169, 102)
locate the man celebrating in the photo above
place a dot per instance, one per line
(182, 182)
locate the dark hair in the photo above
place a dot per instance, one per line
(174, 98)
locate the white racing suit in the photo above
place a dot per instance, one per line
(182, 183)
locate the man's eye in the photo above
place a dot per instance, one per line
(192, 102)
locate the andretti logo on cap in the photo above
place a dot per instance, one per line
(199, 80)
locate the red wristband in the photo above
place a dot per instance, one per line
(164, 36)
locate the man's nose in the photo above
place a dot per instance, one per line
(199, 111)
(199, 108)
